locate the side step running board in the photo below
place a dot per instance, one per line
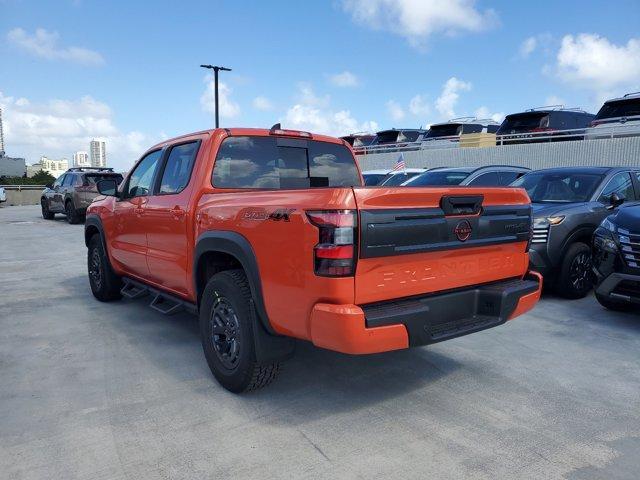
(162, 302)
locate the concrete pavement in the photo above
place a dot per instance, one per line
(99, 391)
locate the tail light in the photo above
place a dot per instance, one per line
(335, 253)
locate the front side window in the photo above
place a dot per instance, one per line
(621, 185)
(277, 163)
(177, 170)
(141, 178)
(59, 181)
(68, 180)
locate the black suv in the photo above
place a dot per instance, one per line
(616, 259)
(390, 140)
(543, 124)
(568, 205)
(488, 176)
(74, 191)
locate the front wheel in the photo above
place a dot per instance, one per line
(226, 329)
(46, 213)
(574, 280)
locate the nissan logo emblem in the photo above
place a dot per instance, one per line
(463, 230)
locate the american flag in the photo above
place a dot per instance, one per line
(400, 165)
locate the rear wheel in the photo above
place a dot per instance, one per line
(71, 212)
(105, 284)
(574, 280)
(226, 329)
(46, 213)
(613, 305)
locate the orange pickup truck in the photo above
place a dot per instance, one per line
(270, 236)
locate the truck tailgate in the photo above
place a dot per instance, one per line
(431, 239)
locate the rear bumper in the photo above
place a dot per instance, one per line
(422, 320)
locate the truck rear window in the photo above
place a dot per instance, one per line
(283, 163)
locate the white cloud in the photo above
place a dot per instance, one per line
(554, 100)
(528, 46)
(44, 44)
(314, 114)
(484, 113)
(417, 20)
(395, 110)
(262, 103)
(58, 128)
(344, 79)
(228, 108)
(446, 102)
(419, 106)
(593, 62)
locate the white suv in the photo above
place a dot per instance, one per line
(619, 117)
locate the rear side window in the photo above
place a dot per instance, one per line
(177, 170)
(621, 108)
(93, 178)
(142, 177)
(283, 163)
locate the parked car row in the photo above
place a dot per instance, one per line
(569, 204)
(617, 117)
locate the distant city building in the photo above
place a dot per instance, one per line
(12, 167)
(33, 169)
(81, 159)
(54, 167)
(98, 151)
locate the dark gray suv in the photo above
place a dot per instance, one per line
(568, 205)
(73, 192)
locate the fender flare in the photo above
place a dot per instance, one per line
(269, 345)
(238, 246)
(91, 222)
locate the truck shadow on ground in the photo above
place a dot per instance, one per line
(314, 383)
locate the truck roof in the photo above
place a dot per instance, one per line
(242, 131)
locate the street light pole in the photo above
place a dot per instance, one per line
(216, 69)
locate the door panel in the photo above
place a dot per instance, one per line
(129, 243)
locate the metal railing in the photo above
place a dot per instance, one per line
(604, 131)
(19, 188)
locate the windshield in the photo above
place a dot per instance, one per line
(393, 180)
(564, 187)
(372, 179)
(440, 178)
(621, 108)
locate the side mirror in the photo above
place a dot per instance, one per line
(615, 200)
(108, 187)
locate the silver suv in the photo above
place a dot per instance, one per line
(619, 117)
(73, 192)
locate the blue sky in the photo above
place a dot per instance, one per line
(128, 72)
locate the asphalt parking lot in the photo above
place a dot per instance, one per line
(91, 390)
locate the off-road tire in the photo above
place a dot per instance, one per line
(72, 214)
(613, 305)
(226, 307)
(105, 284)
(574, 280)
(46, 213)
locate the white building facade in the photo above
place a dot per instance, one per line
(54, 167)
(98, 150)
(81, 159)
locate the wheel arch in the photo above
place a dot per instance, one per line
(581, 233)
(93, 226)
(228, 250)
